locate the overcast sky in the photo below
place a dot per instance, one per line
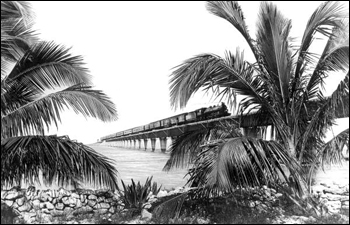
(131, 47)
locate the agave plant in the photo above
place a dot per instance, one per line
(38, 81)
(284, 84)
(135, 196)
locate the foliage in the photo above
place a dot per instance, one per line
(135, 196)
(283, 86)
(39, 80)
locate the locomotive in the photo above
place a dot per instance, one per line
(201, 114)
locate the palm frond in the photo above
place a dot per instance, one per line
(327, 16)
(38, 114)
(171, 208)
(16, 29)
(232, 12)
(244, 162)
(32, 158)
(335, 57)
(16, 10)
(187, 146)
(323, 118)
(48, 65)
(272, 37)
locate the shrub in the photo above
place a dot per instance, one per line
(136, 195)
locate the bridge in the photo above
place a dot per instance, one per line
(252, 125)
(135, 140)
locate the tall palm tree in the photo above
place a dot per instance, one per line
(38, 81)
(284, 84)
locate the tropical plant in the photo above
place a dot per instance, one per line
(284, 85)
(38, 81)
(135, 196)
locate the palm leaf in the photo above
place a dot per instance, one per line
(244, 162)
(38, 114)
(49, 65)
(327, 16)
(32, 158)
(272, 37)
(232, 12)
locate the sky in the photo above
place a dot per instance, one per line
(130, 49)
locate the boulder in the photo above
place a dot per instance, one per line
(25, 208)
(20, 201)
(161, 193)
(104, 205)
(59, 206)
(9, 203)
(92, 197)
(92, 203)
(49, 206)
(146, 215)
(13, 194)
(75, 195)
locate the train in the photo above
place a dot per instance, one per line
(201, 114)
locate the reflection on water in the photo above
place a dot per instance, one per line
(139, 164)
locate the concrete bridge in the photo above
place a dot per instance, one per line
(140, 140)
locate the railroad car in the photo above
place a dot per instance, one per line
(191, 116)
(181, 118)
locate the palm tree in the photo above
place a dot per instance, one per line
(38, 81)
(283, 85)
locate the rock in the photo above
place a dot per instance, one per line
(12, 195)
(44, 197)
(42, 205)
(36, 204)
(27, 216)
(72, 202)
(8, 202)
(15, 205)
(331, 197)
(63, 192)
(87, 192)
(278, 195)
(78, 203)
(92, 197)
(101, 211)
(68, 212)
(161, 193)
(101, 199)
(92, 203)
(49, 206)
(75, 195)
(59, 206)
(104, 205)
(46, 218)
(25, 208)
(112, 210)
(109, 200)
(57, 212)
(54, 201)
(20, 201)
(65, 200)
(333, 191)
(145, 214)
(82, 198)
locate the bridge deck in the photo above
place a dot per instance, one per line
(180, 129)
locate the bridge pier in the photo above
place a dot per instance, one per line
(163, 144)
(139, 140)
(153, 144)
(145, 143)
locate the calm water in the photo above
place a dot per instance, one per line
(139, 164)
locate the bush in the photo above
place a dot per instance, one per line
(136, 195)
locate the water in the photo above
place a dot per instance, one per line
(140, 164)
